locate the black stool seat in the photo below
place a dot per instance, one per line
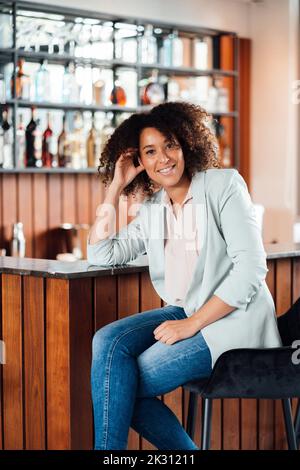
(253, 373)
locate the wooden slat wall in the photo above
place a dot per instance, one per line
(42, 202)
(48, 325)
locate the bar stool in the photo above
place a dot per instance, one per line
(272, 373)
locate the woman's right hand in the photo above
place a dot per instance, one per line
(125, 171)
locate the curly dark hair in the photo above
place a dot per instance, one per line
(184, 121)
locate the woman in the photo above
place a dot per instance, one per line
(206, 261)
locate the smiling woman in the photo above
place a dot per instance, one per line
(206, 261)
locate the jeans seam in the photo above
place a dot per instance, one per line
(107, 377)
(170, 361)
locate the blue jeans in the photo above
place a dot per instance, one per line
(130, 369)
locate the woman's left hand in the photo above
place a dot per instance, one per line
(171, 331)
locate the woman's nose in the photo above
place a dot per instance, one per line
(163, 157)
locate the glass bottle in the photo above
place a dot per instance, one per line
(106, 131)
(42, 82)
(8, 161)
(118, 95)
(78, 144)
(70, 86)
(153, 91)
(21, 143)
(47, 146)
(33, 138)
(98, 92)
(23, 82)
(177, 50)
(93, 146)
(18, 242)
(64, 147)
(148, 46)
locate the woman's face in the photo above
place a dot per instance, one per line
(163, 160)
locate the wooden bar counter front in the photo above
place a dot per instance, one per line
(49, 313)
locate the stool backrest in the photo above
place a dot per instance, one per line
(289, 324)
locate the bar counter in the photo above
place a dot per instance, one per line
(49, 313)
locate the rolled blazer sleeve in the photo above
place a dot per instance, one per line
(119, 248)
(242, 235)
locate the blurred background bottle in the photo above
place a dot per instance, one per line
(42, 82)
(7, 148)
(23, 82)
(21, 143)
(18, 243)
(148, 46)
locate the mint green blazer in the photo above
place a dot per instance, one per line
(231, 263)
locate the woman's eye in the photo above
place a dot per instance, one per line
(149, 152)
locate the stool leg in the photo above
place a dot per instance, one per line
(206, 423)
(192, 413)
(289, 426)
(297, 424)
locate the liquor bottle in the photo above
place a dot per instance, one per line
(23, 82)
(177, 50)
(93, 146)
(78, 144)
(20, 144)
(18, 242)
(105, 133)
(148, 46)
(118, 95)
(33, 142)
(47, 146)
(70, 86)
(42, 82)
(98, 91)
(153, 91)
(64, 147)
(7, 140)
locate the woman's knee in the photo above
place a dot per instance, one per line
(103, 338)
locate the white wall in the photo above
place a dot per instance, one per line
(274, 33)
(231, 15)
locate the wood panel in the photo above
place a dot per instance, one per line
(13, 416)
(248, 429)
(81, 332)
(34, 363)
(105, 301)
(25, 212)
(9, 209)
(217, 430)
(231, 420)
(1, 365)
(40, 216)
(68, 199)
(83, 199)
(283, 303)
(54, 196)
(57, 360)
